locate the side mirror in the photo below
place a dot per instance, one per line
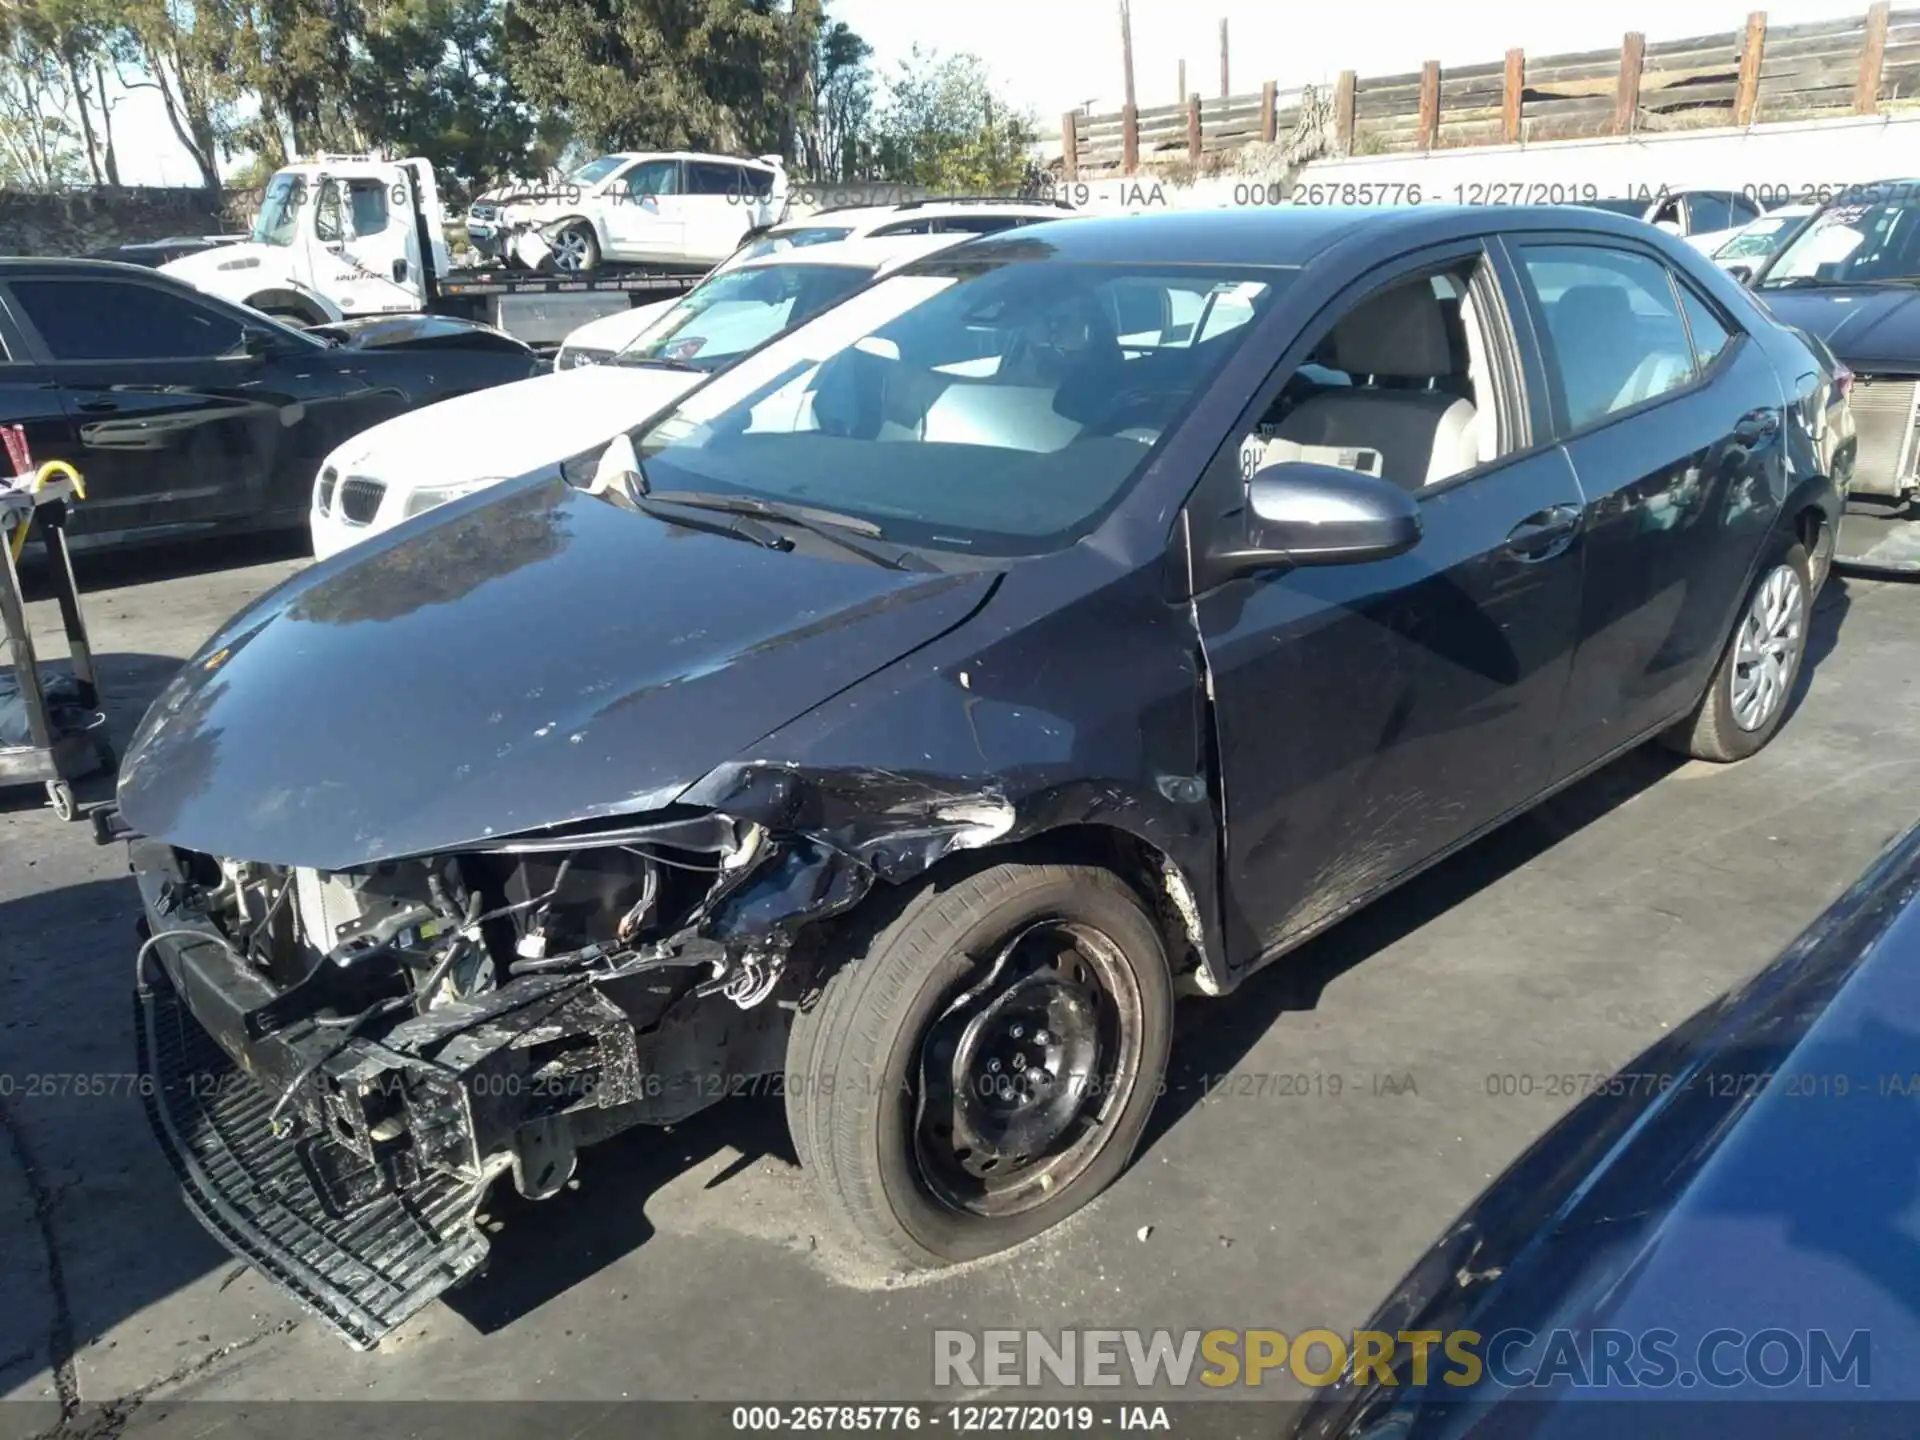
(1306, 514)
(1742, 273)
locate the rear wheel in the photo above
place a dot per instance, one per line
(1753, 684)
(986, 1067)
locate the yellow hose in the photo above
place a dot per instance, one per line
(40, 477)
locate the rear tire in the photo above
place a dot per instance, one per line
(986, 1066)
(1752, 686)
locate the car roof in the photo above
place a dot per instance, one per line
(1287, 236)
(858, 215)
(625, 155)
(17, 267)
(865, 252)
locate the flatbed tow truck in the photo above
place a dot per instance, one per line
(341, 236)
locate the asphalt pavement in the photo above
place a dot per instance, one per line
(1322, 1125)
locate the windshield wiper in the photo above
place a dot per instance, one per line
(829, 525)
(740, 527)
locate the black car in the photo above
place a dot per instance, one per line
(1719, 1240)
(1080, 616)
(186, 415)
(1852, 277)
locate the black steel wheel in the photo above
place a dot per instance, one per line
(986, 1067)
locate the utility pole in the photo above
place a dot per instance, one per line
(1183, 82)
(1126, 48)
(1224, 90)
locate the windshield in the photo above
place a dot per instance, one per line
(732, 313)
(1762, 237)
(989, 407)
(597, 170)
(1853, 243)
(279, 210)
(791, 240)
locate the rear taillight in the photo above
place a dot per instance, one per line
(1843, 380)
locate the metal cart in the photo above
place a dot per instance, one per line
(54, 755)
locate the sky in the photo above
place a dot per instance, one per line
(1054, 55)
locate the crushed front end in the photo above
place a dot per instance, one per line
(341, 1065)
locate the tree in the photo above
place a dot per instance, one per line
(842, 103)
(186, 50)
(663, 74)
(428, 79)
(943, 127)
(40, 147)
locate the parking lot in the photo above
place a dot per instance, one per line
(1321, 1126)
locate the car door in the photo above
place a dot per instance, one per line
(1370, 716)
(179, 428)
(365, 231)
(719, 209)
(642, 216)
(1671, 416)
(30, 401)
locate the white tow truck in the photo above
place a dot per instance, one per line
(339, 236)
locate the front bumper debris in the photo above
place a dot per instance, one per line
(364, 1269)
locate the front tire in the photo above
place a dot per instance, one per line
(576, 249)
(1753, 684)
(986, 1066)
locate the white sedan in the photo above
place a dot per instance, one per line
(414, 462)
(596, 341)
(1752, 244)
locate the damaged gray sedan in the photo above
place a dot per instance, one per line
(1075, 619)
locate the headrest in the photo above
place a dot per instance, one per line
(1400, 333)
(1601, 308)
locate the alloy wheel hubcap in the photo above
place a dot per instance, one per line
(570, 250)
(1769, 643)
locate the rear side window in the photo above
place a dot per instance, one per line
(905, 227)
(758, 181)
(981, 224)
(704, 177)
(112, 320)
(1710, 335)
(1611, 328)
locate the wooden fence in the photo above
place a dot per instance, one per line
(1860, 66)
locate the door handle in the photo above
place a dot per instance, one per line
(1544, 533)
(1756, 427)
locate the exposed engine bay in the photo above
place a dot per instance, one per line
(496, 1009)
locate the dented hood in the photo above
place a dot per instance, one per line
(532, 657)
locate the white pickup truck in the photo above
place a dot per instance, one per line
(339, 236)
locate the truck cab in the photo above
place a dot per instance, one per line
(337, 236)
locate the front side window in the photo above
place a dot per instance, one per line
(326, 215)
(731, 313)
(654, 177)
(984, 407)
(113, 320)
(1612, 332)
(279, 217)
(1399, 386)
